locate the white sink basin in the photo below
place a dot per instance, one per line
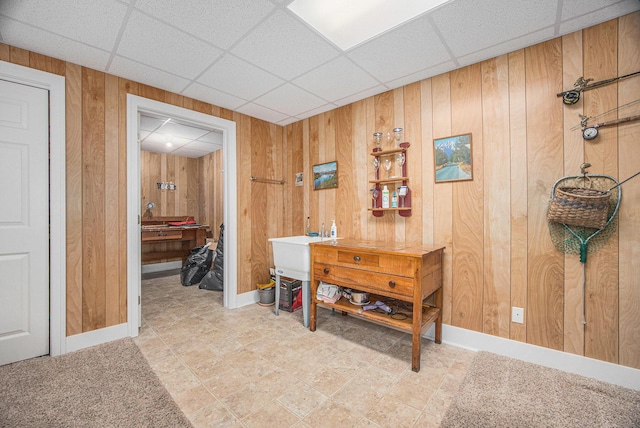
(292, 255)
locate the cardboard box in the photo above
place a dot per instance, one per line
(290, 294)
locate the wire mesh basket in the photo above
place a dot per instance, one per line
(579, 206)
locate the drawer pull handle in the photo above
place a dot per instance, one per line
(356, 258)
(326, 271)
(392, 284)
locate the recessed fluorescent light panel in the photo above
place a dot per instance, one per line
(348, 23)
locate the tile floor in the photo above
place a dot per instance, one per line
(249, 368)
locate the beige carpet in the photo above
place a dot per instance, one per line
(503, 392)
(109, 385)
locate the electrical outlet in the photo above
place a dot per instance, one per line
(517, 315)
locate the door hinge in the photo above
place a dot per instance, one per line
(139, 300)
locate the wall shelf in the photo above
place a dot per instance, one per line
(376, 206)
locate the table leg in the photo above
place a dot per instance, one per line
(306, 302)
(313, 307)
(277, 302)
(415, 332)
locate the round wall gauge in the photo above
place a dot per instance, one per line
(590, 133)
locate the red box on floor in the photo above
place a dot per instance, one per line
(290, 294)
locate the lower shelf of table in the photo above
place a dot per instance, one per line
(429, 313)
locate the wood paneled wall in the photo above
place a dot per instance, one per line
(499, 253)
(498, 248)
(96, 188)
(210, 191)
(184, 172)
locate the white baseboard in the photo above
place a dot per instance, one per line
(607, 372)
(249, 298)
(96, 337)
(159, 267)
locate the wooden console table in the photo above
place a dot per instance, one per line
(409, 274)
(179, 240)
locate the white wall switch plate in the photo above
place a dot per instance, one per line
(517, 315)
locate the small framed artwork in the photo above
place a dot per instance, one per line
(299, 178)
(453, 158)
(325, 175)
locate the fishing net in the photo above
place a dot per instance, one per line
(574, 239)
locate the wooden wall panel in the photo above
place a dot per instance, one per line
(112, 242)
(347, 208)
(362, 172)
(573, 157)
(260, 204)
(412, 130)
(629, 216)
(518, 190)
(468, 217)
(426, 167)
(600, 61)
(93, 211)
(544, 155)
(73, 159)
(443, 192)
(497, 203)
(245, 158)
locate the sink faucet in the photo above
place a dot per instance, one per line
(322, 232)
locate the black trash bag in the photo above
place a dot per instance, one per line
(197, 265)
(214, 279)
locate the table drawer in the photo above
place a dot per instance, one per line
(161, 235)
(367, 260)
(364, 280)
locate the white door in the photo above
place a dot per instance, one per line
(24, 222)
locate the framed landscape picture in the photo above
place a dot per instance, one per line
(453, 158)
(325, 175)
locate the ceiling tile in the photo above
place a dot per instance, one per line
(147, 75)
(362, 95)
(323, 108)
(183, 131)
(405, 50)
(213, 96)
(508, 46)
(468, 28)
(290, 100)
(15, 33)
(422, 74)
(96, 22)
(203, 146)
(189, 153)
(213, 137)
(236, 75)
(162, 139)
(154, 147)
(153, 43)
(285, 47)
(148, 123)
(220, 22)
(336, 79)
(260, 112)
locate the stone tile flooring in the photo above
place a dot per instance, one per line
(250, 368)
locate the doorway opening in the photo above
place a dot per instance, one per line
(135, 107)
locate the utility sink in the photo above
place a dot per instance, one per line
(292, 255)
(292, 258)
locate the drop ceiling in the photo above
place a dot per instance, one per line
(162, 134)
(258, 58)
